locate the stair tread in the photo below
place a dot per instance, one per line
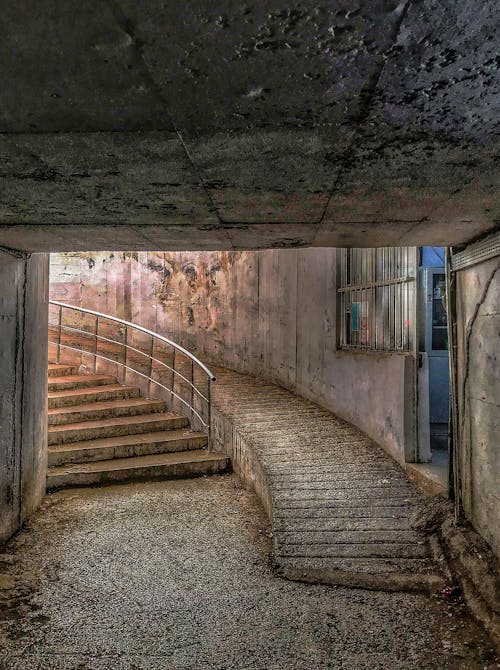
(128, 440)
(79, 378)
(116, 421)
(193, 456)
(105, 404)
(61, 366)
(66, 393)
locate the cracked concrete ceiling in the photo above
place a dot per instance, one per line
(166, 125)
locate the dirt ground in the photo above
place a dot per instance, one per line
(176, 575)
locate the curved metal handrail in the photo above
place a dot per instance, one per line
(202, 414)
(140, 328)
(150, 381)
(130, 348)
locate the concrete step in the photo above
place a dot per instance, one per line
(354, 550)
(105, 409)
(61, 369)
(431, 478)
(410, 574)
(127, 446)
(163, 466)
(115, 426)
(81, 396)
(317, 538)
(79, 381)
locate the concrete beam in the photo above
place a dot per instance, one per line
(151, 125)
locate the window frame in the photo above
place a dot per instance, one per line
(381, 283)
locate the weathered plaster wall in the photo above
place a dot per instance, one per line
(269, 313)
(478, 316)
(23, 389)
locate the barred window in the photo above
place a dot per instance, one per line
(377, 298)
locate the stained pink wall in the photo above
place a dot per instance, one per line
(171, 293)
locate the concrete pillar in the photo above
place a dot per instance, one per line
(23, 386)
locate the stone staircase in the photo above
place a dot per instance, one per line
(101, 432)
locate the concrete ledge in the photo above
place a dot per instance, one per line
(429, 478)
(477, 570)
(471, 562)
(227, 440)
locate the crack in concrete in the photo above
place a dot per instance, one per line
(15, 252)
(211, 204)
(140, 61)
(413, 227)
(366, 97)
(468, 336)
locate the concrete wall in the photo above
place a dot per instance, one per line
(23, 389)
(270, 313)
(478, 317)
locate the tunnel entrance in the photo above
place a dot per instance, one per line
(275, 314)
(385, 307)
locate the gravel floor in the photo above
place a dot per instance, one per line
(177, 575)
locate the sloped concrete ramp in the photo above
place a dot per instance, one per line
(340, 507)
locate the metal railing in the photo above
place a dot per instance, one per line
(163, 368)
(377, 298)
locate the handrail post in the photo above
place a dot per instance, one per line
(125, 356)
(58, 356)
(192, 389)
(209, 414)
(173, 380)
(96, 340)
(151, 365)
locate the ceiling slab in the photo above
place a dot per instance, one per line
(229, 125)
(90, 178)
(70, 67)
(236, 73)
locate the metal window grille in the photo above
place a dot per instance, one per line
(377, 298)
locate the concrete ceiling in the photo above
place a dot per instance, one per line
(219, 125)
